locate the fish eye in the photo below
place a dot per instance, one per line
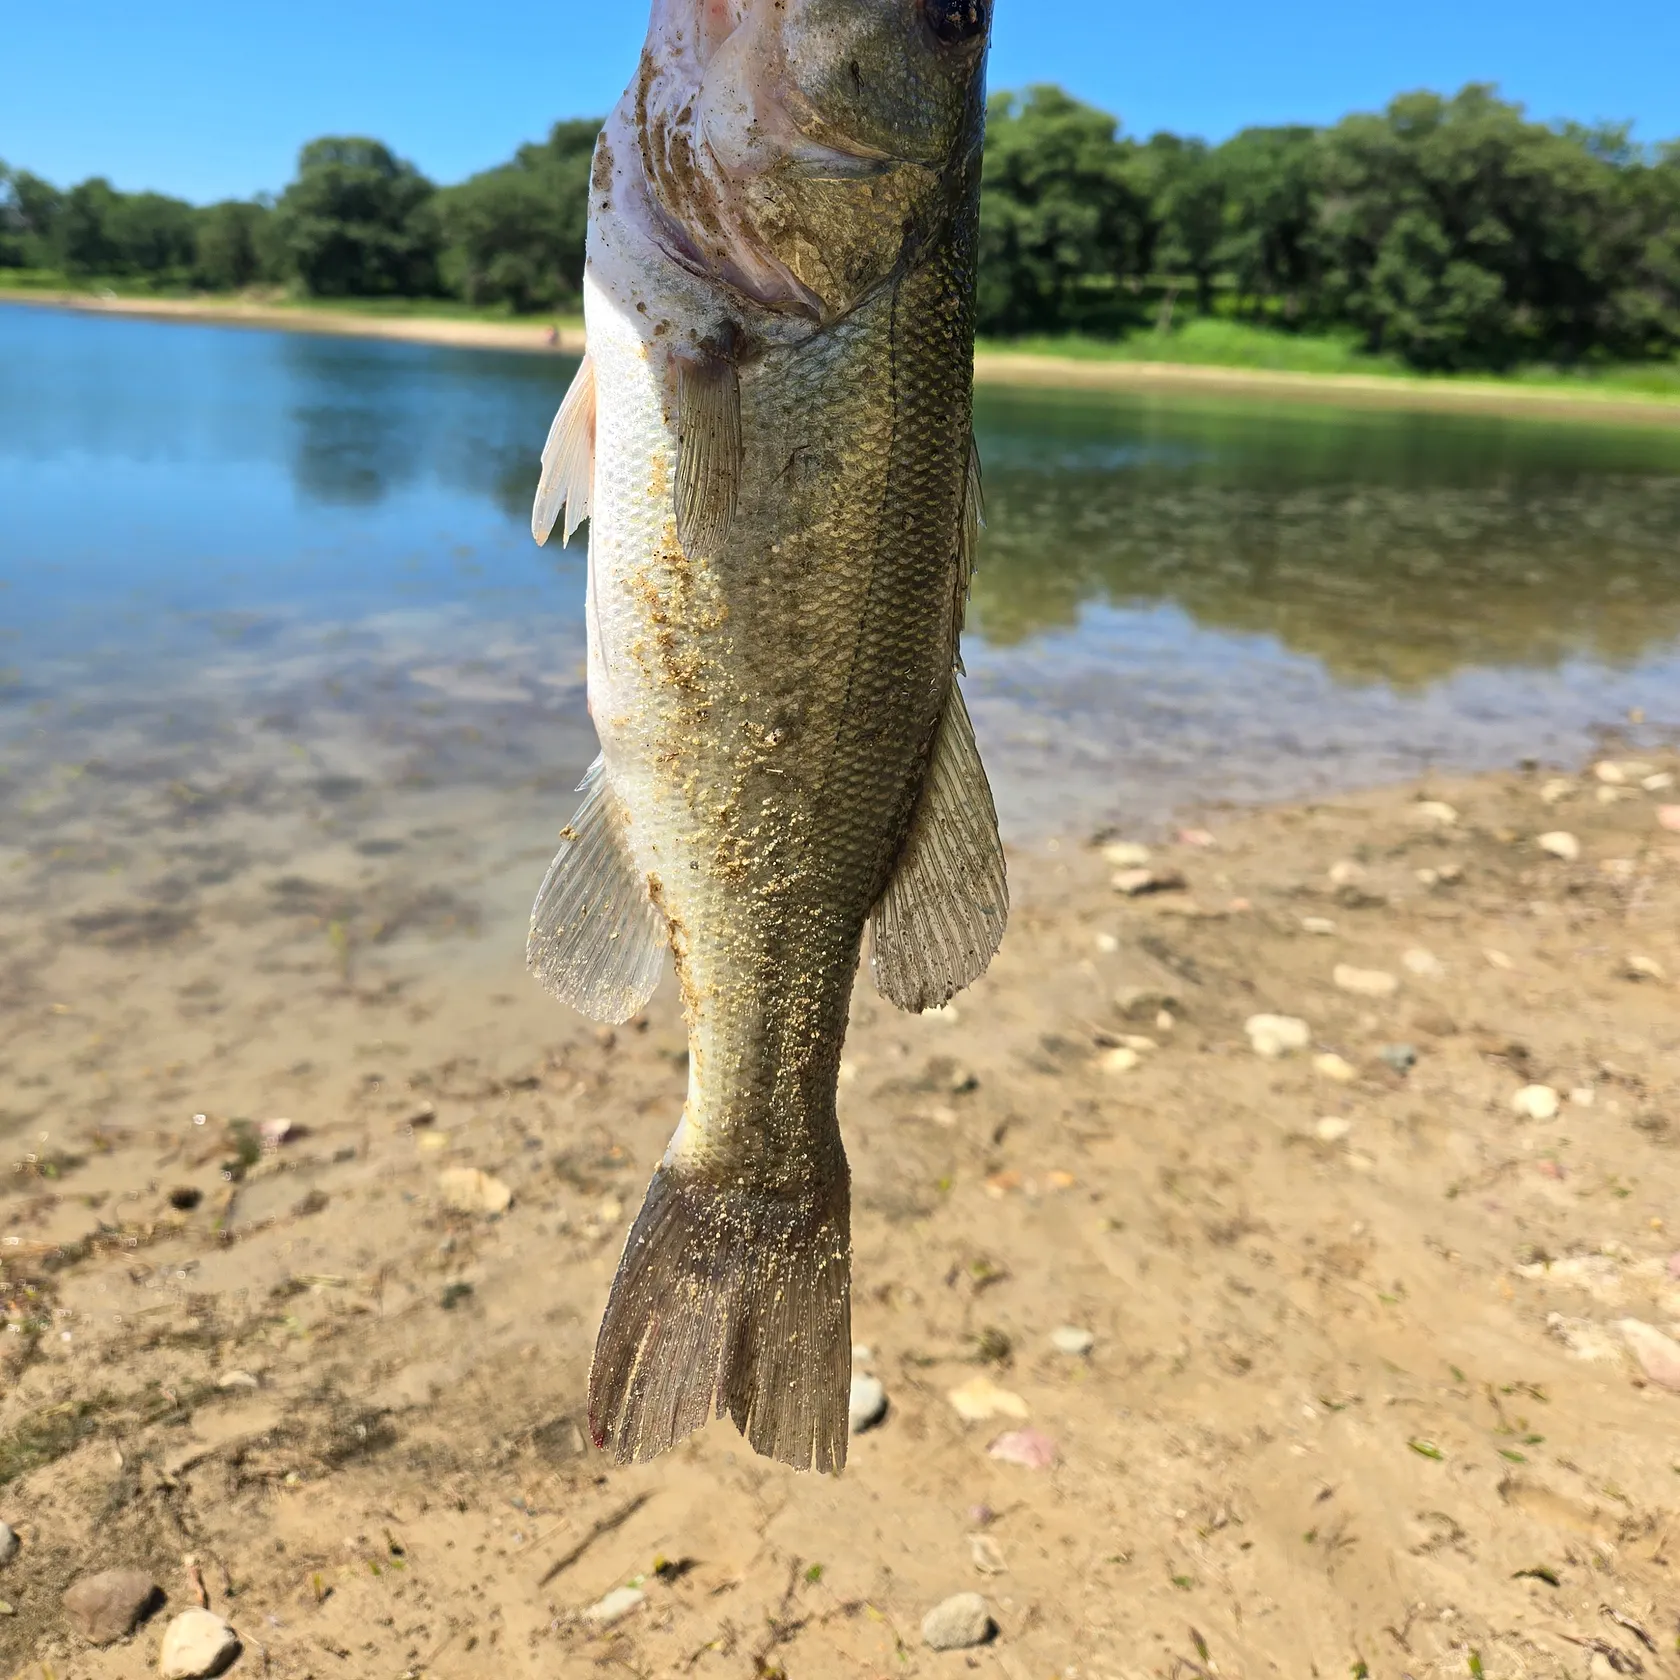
(956, 22)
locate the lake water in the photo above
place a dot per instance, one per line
(264, 592)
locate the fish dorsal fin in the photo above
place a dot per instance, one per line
(568, 460)
(708, 451)
(941, 919)
(968, 535)
(597, 941)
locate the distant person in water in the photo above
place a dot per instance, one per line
(553, 337)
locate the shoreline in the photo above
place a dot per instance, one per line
(1326, 1202)
(993, 367)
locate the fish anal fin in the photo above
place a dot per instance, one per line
(729, 1299)
(942, 915)
(708, 478)
(597, 940)
(568, 460)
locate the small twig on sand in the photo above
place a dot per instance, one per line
(605, 1526)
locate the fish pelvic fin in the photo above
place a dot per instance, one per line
(708, 476)
(597, 940)
(568, 460)
(729, 1299)
(941, 919)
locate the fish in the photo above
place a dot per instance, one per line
(771, 439)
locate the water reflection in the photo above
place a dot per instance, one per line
(210, 530)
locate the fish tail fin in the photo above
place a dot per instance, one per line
(729, 1300)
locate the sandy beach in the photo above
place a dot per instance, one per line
(313, 1198)
(990, 366)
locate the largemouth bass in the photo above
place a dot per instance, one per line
(770, 438)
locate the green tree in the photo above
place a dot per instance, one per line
(515, 234)
(230, 248)
(359, 222)
(1062, 222)
(1271, 201)
(1189, 199)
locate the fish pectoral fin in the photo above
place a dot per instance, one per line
(941, 919)
(708, 478)
(568, 460)
(597, 940)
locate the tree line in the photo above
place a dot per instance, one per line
(1451, 232)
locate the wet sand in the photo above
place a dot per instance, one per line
(1358, 1397)
(990, 366)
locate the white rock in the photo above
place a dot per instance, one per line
(1436, 812)
(467, 1190)
(1658, 1355)
(957, 1624)
(1332, 1066)
(615, 1606)
(9, 1543)
(1498, 959)
(986, 1555)
(980, 1398)
(1661, 782)
(1120, 1060)
(237, 1379)
(867, 1404)
(1558, 789)
(1071, 1340)
(1610, 773)
(1645, 968)
(195, 1644)
(1107, 944)
(1365, 982)
(1582, 1337)
(1332, 1129)
(1536, 1102)
(1320, 925)
(1424, 964)
(1345, 872)
(1561, 844)
(1125, 854)
(1583, 1096)
(1277, 1035)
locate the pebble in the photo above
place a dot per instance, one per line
(1425, 964)
(467, 1190)
(1071, 1340)
(1498, 959)
(9, 1543)
(1135, 882)
(1345, 872)
(1609, 795)
(867, 1404)
(1608, 771)
(1365, 982)
(1121, 1060)
(1332, 1129)
(1401, 1057)
(1536, 1102)
(1435, 811)
(980, 1398)
(1277, 1035)
(958, 1624)
(1199, 837)
(103, 1608)
(1335, 1067)
(1107, 944)
(1561, 844)
(275, 1132)
(1558, 789)
(1669, 817)
(196, 1644)
(615, 1606)
(986, 1555)
(1026, 1447)
(1645, 968)
(1661, 782)
(1125, 854)
(237, 1379)
(1320, 925)
(1658, 1355)
(1583, 1096)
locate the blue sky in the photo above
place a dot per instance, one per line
(213, 100)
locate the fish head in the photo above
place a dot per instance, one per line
(800, 152)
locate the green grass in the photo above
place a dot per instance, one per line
(1214, 342)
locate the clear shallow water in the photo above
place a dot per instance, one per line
(219, 548)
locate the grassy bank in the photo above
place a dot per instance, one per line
(1214, 343)
(1204, 354)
